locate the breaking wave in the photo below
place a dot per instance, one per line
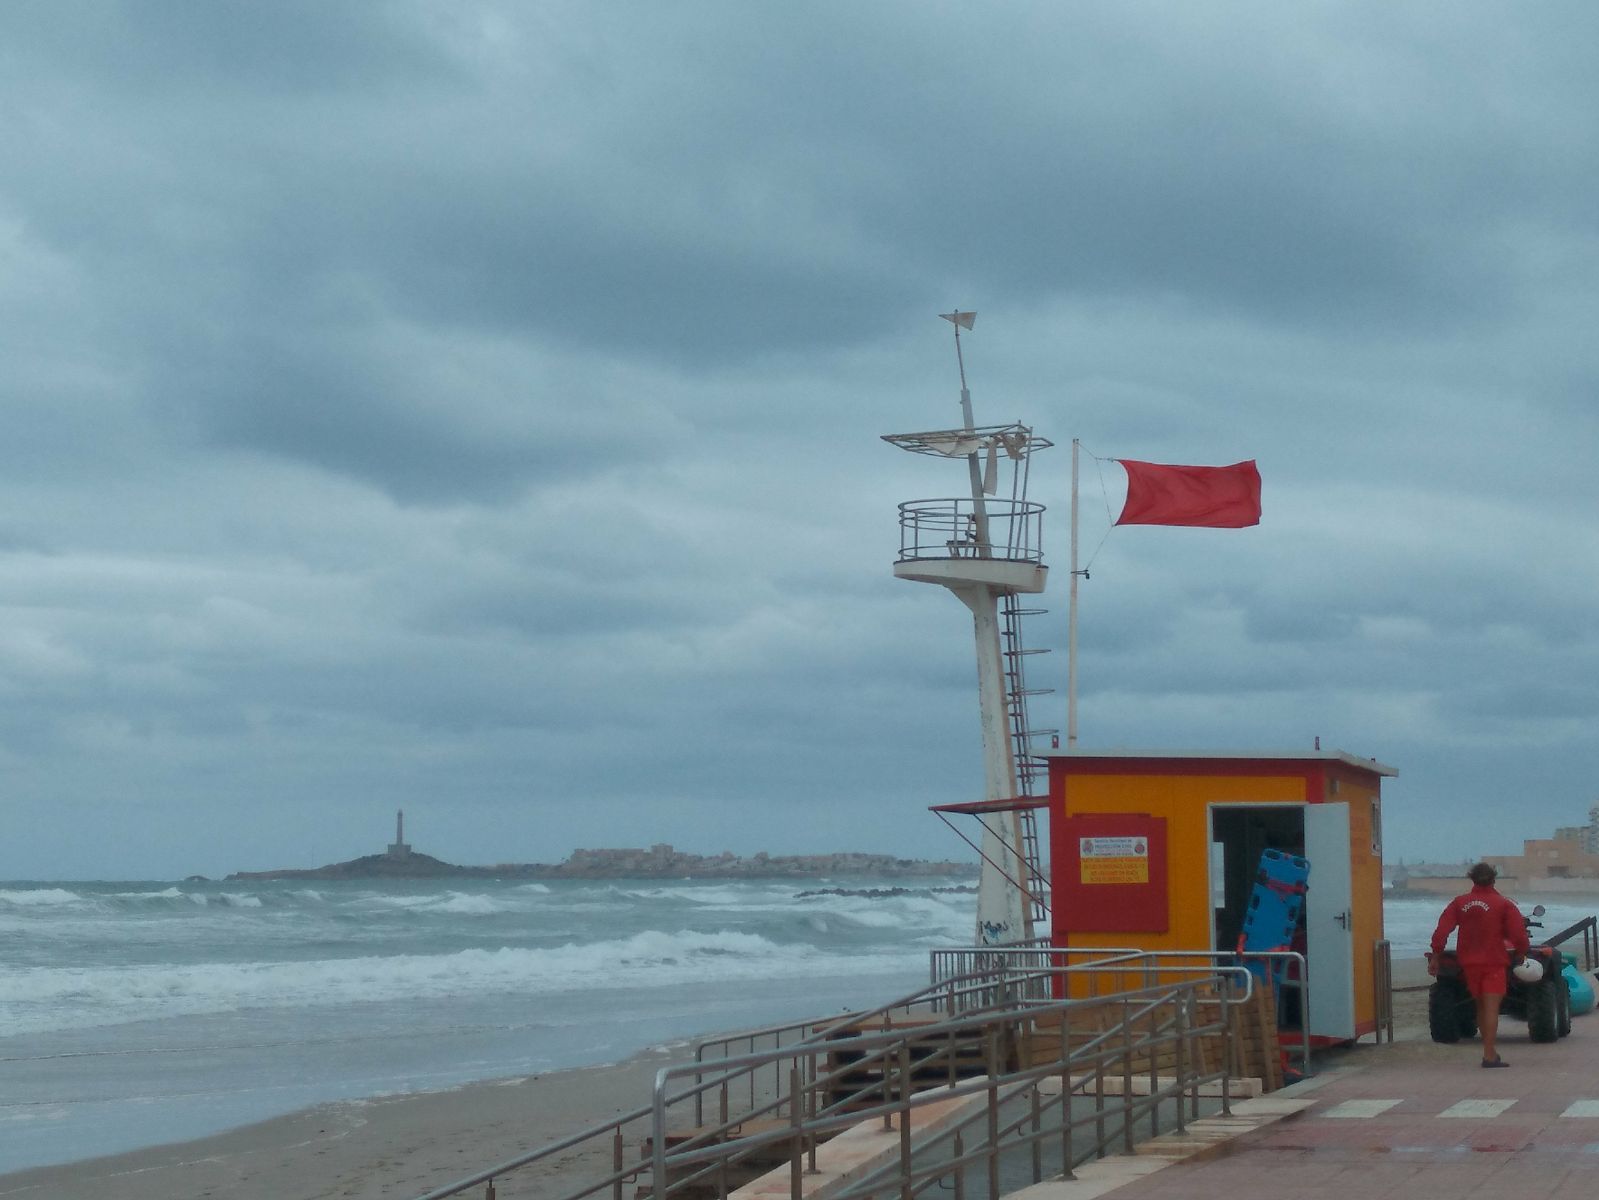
(32, 1000)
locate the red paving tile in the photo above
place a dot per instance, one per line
(1409, 1151)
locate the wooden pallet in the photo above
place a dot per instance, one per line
(1256, 1050)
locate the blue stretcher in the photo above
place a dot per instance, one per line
(1276, 908)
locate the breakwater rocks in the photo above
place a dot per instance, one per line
(887, 893)
(656, 862)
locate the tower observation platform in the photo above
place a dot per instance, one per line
(987, 542)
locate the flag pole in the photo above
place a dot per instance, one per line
(1071, 619)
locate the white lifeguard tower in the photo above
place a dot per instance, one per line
(986, 549)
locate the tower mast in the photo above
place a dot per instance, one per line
(983, 549)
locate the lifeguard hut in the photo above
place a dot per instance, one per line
(985, 548)
(1160, 850)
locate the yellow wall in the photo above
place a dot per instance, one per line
(1182, 800)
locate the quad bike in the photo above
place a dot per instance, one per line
(1545, 1004)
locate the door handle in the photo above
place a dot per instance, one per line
(1343, 919)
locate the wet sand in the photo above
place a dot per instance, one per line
(401, 1147)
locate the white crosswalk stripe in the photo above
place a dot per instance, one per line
(1477, 1108)
(1359, 1108)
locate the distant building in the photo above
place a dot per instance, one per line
(1548, 858)
(1543, 864)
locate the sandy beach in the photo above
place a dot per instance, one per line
(392, 1148)
(389, 1147)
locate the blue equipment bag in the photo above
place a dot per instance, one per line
(1580, 986)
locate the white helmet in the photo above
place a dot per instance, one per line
(1528, 970)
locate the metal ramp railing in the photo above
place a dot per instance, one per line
(1144, 1047)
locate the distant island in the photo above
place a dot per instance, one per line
(660, 861)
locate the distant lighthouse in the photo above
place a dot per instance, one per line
(398, 850)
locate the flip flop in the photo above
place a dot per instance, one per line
(1498, 1062)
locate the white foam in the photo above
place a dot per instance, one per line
(468, 905)
(39, 897)
(36, 999)
(171, 893)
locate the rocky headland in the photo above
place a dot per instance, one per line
(656, 862)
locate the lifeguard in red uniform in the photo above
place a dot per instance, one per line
(1490, 927)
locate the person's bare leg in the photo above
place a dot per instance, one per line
(1488, 1025)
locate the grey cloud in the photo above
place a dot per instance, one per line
(478, 408)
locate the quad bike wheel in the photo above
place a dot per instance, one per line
(1563, 999)
(1543, 1010)
(1449, 1009)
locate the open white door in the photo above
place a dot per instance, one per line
(1329, 938)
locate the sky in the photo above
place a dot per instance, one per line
(476, 408)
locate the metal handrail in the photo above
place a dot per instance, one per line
(615, 1125)
(726, 1142)
(694, 1161)
(903, 1177)
(812, 1030)
(806, 1047)
(1025, 981)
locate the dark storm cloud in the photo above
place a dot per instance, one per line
(476, 407)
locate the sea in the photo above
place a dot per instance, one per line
(139, 1013)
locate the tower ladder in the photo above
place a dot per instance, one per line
(1030, 767)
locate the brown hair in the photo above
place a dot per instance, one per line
(1483, 874)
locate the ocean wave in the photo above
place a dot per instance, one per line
(39, 897)
(171, 893)
(469, 905)
(457, 903)
(740, 895)
(43, 998)
(910, 910)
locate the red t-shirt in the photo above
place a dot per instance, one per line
(1487, 921)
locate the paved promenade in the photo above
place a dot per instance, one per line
(1411, 1119)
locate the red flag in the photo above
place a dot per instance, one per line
(1213, 497)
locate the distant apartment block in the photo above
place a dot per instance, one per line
(1548, 858)
(1544, 864)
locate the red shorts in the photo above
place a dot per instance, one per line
(1484, 979)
